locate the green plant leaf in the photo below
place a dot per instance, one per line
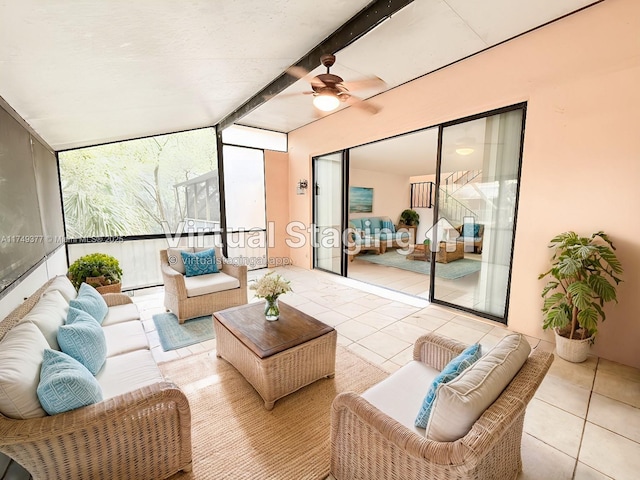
(588, 318)
(602, 288)
(552, 301)
(568, 267)
(549, 287)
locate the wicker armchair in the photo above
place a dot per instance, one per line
(175, 292)
(366, 443)
(142, 434)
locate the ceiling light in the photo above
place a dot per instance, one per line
(326, 102)
(464, 151)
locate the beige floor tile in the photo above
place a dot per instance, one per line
(372, 301)
(403, 357)
(384, 344)
(541, 461)
(461, 333)
(581, 374)
(545, 346)
(396, 310)
(355, 330)
(440, 312)
(617, 387)
(623, 371)
(390, 366)
(562, 394)
(344, 341)
(153, 338)
(353, 309)
(149, 325)
(332, 318)
(584, 472)
(472, 323)
(424, 320)
(615, 416)
(160, 356)
(610, 453)
(209, 345)
(312, 308)
(367, 354)
(543, 421)
(375, 319)
(405, 331)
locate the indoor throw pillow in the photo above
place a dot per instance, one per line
(456, 366)
(89, 300)
(199, 263)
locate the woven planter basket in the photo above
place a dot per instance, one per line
(113, 288)
(575, 350)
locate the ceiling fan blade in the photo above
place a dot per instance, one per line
(364, 83)
(297, 72)
(367, 106)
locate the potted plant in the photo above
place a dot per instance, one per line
(582, 278)
(409, 218)
(98, 270)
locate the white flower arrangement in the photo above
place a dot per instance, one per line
(271, 286)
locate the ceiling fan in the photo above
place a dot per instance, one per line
(330, 90)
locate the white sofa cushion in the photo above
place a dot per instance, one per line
(462, 401)
(21, 354)
(121, 313)
(48, 315)
(63, 285)
(400, 395)
(127, 372)
(175, 258)
(210, 283)
(125, 337)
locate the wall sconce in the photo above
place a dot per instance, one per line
(302, 187)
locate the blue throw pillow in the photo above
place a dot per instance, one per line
(388, 225)
(454, 368)
(65, 384)
(471, 230)
(84, 341)
(89, 300)
(199, 263)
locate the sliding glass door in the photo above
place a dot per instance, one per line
(328, 210)
(479, 171)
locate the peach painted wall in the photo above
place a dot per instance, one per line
(391, 193)
(581, 164)
(277, 188)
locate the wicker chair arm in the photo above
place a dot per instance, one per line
(129, 404)
(351, 412)
(173, 280)
(436, 351)
(114, 299)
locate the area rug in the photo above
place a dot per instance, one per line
(450, 271)
(174, 335)
(234, 437)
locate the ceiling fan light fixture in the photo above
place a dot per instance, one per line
(464, 151)
(326, 102)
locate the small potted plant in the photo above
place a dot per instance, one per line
(582, 278)
(98, 270)
(410, 218)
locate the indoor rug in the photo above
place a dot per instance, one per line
(234, 437)
(450, 271)
(174, 335)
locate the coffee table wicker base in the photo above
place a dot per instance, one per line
(283, 373)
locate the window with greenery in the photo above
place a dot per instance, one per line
(142, 187)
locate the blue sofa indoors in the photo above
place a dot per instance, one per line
(381, 230)
(471, 234)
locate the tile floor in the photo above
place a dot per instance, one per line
(584, 422)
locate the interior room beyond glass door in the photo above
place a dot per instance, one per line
(327, 216)
(477, 200)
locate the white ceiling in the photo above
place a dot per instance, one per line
(90, 72)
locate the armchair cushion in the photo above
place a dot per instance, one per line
(454, 368)
(65, 384)
(459, 403)
(199, 263)
(89, 300)
(48, 315)
(175, 258)
(211, 283)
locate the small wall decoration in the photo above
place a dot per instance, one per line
(360, 200)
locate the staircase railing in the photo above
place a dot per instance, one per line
(457, 180)
(453, 209)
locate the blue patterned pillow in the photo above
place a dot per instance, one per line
(84, 341)
(89, 300)
(454, 368)
(471, 230)
(200, 263)
(388, 225)
(65, 384)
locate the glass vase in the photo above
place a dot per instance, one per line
(271, 309)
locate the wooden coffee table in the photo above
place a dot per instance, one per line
(279, 357)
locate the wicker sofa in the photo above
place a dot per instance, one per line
(380, 441)
(142, 427)
(190, 297)
(380, 232)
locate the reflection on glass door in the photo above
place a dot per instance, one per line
(328, 211)
(477, 200)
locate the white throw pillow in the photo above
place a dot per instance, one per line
(63, 285)
(462, 401)
(175, 259)
(21, 354)
(48, 315)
